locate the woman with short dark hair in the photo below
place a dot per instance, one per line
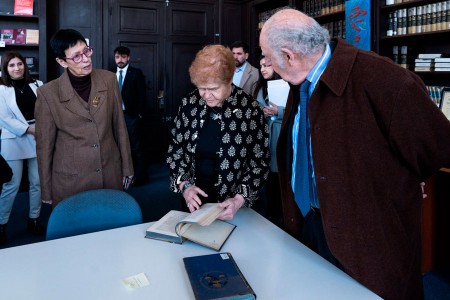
(82, 140)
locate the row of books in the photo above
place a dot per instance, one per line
(336, 28)
(19, 36)
(432, 62)
(435, 93)
(400, 56)
(265, 15)
(21, 7)
(418, 19)
(315, 8)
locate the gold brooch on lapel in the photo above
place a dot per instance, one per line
(95, 101)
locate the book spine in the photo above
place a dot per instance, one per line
(403, 21)
(394, 22)
(419, 19)
(447, 15)
(439, 24)
(444, 15)
(433, 17)
(428, 20)
(395, 55)
(404, 57)
(390, 24)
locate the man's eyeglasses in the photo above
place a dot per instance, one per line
(77, 58)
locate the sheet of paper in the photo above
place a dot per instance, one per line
(136, 281)
(278, 91)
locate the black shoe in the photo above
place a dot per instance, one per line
(35, 227)
(2, 234)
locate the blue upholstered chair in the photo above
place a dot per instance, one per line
(92, 211)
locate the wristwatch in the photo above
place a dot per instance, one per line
(185, 187)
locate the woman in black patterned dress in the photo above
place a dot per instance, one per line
(219, 149)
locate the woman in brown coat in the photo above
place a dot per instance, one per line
(82, 140)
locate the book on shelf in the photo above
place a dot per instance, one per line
(442, 59)
(442, 65)
(429, 55)
(20, 36)
(217, 276)
(435, 93)
(32, 36)
(424, 60)
(404, 57)
(7, 36)
(23, 7)
(442, 69)
(32, 64)
(201, 227)
(423, 69)
(424, 64)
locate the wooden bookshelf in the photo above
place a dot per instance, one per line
(8, 20)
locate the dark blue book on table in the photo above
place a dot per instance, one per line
(217, 276)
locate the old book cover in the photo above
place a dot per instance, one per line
(20, 36)
(32, 36)
(201, 227)
(23, 7)
(217, 276)
(7, 35)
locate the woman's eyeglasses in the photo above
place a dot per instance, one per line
(77, 58)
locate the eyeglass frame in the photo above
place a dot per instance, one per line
(84, 52)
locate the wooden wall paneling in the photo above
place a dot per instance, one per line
(164, 38)
(140, 26)
(232, 20)
(190, 27)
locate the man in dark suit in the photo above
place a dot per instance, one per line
(132, 87)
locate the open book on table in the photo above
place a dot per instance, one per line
(200, 226)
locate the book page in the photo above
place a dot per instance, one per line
(212, 236)
(278, 91)
(205, 215)
(166, 225)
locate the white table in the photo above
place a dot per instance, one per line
(92, 266)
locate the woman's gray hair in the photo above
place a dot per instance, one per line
(305, 39)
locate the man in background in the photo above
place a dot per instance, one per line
(358, 136)
(245, 76)
(132, 88)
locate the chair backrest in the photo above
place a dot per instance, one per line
(92, 211)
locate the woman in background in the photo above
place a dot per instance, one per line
(18, 145)
(219, 148)
(271, 200)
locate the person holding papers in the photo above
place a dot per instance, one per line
(219, 148)
(271, 209)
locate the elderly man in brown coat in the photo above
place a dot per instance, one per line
(371, 135)
(81, 136)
